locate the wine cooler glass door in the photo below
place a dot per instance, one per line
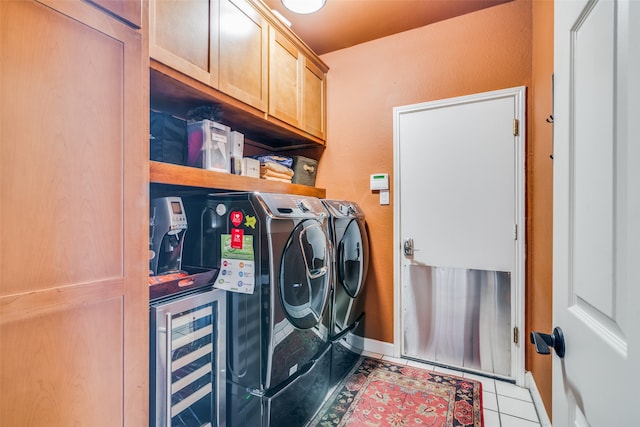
(189, 361)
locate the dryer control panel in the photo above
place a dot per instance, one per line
(287, 205)
(344, 208)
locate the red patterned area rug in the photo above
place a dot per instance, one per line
(378, 393)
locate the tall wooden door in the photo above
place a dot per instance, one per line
(73, 217)
(596, 212)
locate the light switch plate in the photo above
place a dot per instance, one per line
(384, 197)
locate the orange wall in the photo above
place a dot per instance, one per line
(478, 52)
(540, 196)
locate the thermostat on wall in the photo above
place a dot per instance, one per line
(379, 181)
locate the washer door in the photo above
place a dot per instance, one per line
(305, 275)
(353, 258)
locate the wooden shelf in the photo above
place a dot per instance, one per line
(166, 173)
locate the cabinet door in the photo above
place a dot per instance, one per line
(73, 217)
(313, 100)
(184, 36)
(244, 44)
(129, 10)
(284, 79)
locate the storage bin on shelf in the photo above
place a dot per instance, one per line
(167, 138)
(208, 146)
(304, 170)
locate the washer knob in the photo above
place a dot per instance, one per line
(304, 205)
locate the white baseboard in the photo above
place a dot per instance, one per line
(530, 383)
(379, 347)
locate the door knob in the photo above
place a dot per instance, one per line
(407, 247)
(544, 341)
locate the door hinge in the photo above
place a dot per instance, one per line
(516, 127)
(515, 231)
(516, 335)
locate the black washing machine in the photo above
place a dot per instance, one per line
(351, 255)
(278, 349)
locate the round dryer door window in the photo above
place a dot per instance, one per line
(353, 258)
(304, 275)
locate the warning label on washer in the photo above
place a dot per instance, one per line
(237, 264)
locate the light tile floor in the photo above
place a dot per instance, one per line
(504, 404)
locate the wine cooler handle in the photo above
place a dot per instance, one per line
(168, 367)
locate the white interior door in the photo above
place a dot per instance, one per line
(459, 186)
(597, 212)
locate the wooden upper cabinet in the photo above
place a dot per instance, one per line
(128, 10)
(285, 62)
(314, 97)
(297, 86)
(243, 50)
(184, 36)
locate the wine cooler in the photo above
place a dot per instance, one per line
(188, 362)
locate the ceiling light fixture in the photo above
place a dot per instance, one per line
(303, 6)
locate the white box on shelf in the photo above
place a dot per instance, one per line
(236, 150)
(251, 167)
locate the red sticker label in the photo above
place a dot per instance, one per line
(237, 238)
(236, 218)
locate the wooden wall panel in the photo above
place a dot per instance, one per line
(73, 217)
(62, 153)
(70, 370)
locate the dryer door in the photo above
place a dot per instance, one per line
(305, 275)
(353, 258)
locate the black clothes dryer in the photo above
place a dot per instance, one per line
(351, 255)
(278, 350)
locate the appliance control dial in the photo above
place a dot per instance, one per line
(304, 205)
